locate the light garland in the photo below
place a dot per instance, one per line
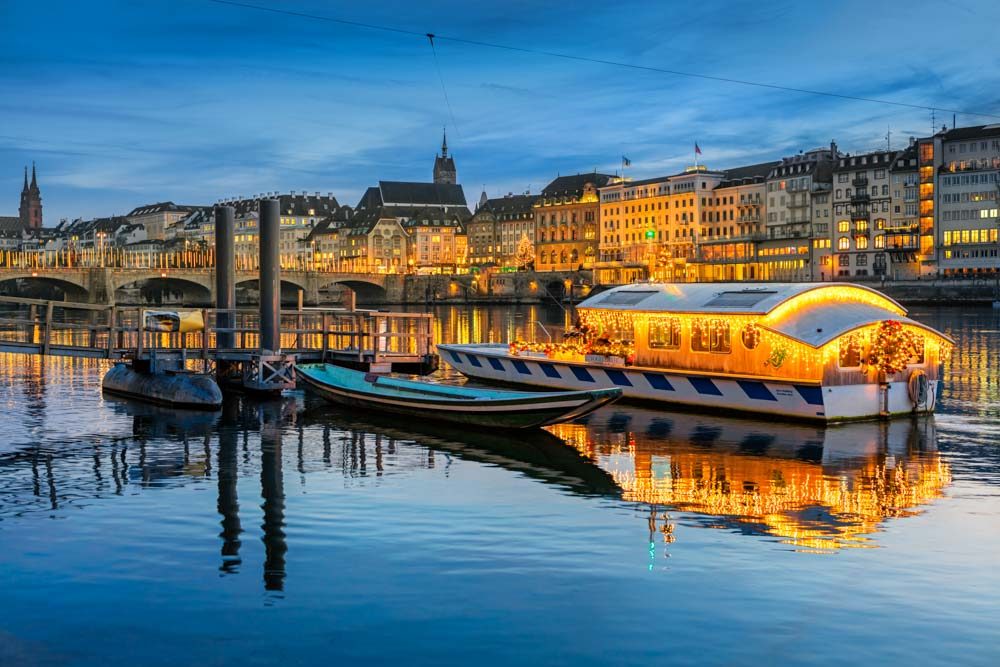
(750, 336)
(893, 345)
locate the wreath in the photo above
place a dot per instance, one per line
(750, 336)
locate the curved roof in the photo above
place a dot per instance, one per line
(813, 313)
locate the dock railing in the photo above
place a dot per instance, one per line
(35, 326)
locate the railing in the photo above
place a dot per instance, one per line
(37, 326)
(860, 182)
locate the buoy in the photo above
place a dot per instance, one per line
(918, 387)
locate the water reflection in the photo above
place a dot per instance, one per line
(813, 487)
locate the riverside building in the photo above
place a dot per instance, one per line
(797, 206)
(966, 165)
(862, 210)
(566, 222)
(649, 228)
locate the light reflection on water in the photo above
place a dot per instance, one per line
(358, 522)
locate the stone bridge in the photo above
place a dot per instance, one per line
(99, 285)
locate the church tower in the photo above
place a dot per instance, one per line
(31, 202)
(444, 166)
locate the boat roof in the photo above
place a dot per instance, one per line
(813, 313)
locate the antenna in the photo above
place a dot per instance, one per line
(888, 138)
(933, 122)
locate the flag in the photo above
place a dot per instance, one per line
(626, 162)
(697, 151)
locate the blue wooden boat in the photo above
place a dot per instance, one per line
(463, 405)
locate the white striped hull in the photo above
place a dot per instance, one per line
(494, 363)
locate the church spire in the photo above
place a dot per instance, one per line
(34, 180)
(25, 178)
(444, 142)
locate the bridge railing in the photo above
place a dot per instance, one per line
(38, 326)
(188, 259)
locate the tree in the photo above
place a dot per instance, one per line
(525, 255)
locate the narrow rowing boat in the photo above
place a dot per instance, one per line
(463, 405)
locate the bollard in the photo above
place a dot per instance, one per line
(225, 276)
(270, 277)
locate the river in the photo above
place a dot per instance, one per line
(293, 532)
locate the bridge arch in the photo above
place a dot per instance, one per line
(366, 291)
(159, 290)
(33, 285)
(248, 289)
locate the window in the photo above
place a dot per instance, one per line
(665, 333)
(861, 242)
(851, 348)
(843, 226)
(918, 351)
(710, 336)
(844, 260)
(843, 243)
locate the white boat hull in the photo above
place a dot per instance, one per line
(494, 363)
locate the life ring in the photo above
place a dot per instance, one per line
(918, 387)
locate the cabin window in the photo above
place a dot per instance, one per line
(918, 351)
(851, 349)
(710, 335)
(665, 333)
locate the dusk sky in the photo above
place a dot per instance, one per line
(123, 103)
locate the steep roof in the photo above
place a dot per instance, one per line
(573, 185)
(511, 205)
(444, 163)
(10, 224)
(298, 205)
(421, 194)
(972, 132)
(161, 207)
(760, 170)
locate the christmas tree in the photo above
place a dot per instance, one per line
(525, 254)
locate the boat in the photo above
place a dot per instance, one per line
(817, 351)
(493, 408)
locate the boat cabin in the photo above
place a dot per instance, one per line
(828, 333)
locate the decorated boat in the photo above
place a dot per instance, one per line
(449, 403)
(819, 351)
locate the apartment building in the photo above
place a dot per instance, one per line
(733, 224)
(862, 210)
(566, 222)
(967, 171)
(650, 228)
(798, 192)
(497, 226)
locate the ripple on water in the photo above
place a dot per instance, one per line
(650, 535)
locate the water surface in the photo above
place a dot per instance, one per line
(294, 532)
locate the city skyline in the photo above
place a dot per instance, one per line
(116, 115)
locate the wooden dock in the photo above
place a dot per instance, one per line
(368, 339)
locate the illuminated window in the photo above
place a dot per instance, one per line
(880, 241)
(862, 242)
(665, 333)
(918, 351)
(710, 336)
(851, 349)
(843, 226)
(844, 243)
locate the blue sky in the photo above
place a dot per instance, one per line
(123, 103)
